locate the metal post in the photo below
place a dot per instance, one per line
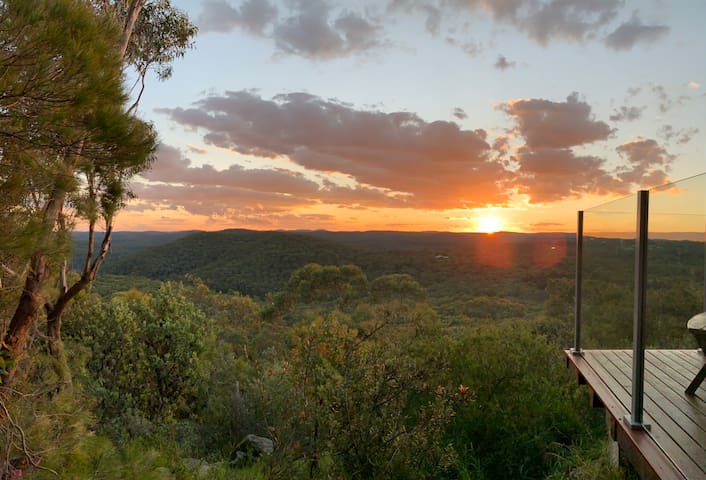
(579, 282)
(635, 420)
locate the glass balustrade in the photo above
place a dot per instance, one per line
(674, 286)
(608, 271)
(675, 264)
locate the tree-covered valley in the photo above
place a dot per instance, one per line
(242, 354)
(345, 355)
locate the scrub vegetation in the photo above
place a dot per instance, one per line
(245, 355)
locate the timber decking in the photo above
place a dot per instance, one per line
(675, 446)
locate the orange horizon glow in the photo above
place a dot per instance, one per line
(522, 218)
(324, 217)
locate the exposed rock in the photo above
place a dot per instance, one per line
(251, 447)
(260, 444)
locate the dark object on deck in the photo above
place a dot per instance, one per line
(697, 326)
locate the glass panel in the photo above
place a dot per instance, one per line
(609, 258)
(675, 264)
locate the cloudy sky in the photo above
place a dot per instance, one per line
(422, 114)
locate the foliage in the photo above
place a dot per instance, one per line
(68, 148)
(526, 405)
(350, 405)
(484, 309)
(145, 357)
(252, 263)
(316, 283)
(62, 116)
(350, 378)
(257, 263)
(587, 461)
(164, 33)
(41, 423)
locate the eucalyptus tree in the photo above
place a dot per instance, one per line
(70, 141)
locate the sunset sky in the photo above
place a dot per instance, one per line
(456, 115)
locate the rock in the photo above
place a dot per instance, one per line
(251, 447)
(260, 444)
(697, 322)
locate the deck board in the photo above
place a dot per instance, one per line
(677, 421)
(677, 433)
(668, 434)
(661, 380)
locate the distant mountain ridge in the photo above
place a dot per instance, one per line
(123, 243)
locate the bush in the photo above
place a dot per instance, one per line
(525, 407)
(144, 363)
(351, 405)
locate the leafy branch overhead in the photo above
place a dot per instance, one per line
(69, 139)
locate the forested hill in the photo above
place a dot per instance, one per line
(448, 265)
(245, 261)
(439, 241)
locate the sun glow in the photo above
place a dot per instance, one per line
(488, 224)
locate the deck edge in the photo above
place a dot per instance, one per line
(648, 459)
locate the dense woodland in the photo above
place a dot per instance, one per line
(245, 355)
(426, 360)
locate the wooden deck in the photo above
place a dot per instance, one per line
(675, 445)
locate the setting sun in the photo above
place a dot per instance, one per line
(488, 224)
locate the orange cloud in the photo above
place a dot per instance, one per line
(547, 124)
(648, 162)
(548, 170)
(354, 160)
(438, 164)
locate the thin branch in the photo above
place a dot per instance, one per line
(62, 277)
(23, 438)
(92, 224)
(105, 248)
(9, 270)
(133, 107)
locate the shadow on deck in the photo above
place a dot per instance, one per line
(674, 447)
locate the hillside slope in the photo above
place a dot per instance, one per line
(249, 262)
(123, 243)
(448, 265)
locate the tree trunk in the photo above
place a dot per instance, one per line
(55, 314)
(29, 304)
(32, 299)
(56, 310)
(56, 349)
(133, 12)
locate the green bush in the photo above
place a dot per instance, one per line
(144, 363)
(347, 404)
(526, 405)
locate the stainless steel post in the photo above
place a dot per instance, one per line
(578, 283)
(638, 336)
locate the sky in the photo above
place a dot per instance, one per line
(443, 115)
